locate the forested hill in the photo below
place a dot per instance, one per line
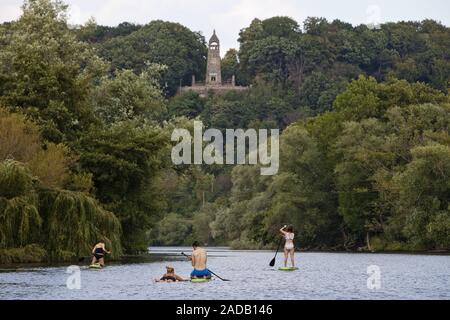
(278, 50)
(87, 112)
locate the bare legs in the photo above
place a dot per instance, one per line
(100, 261)
(288, 252)
(292, 251)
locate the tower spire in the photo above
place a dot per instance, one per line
(214, 39)
(213, 69)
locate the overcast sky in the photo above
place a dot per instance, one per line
(229, 16)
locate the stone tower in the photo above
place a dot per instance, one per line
(213, 81)
(213, 72)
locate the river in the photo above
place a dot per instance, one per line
(320, 276)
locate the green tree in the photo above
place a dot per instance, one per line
(230, 67)
(125, 159)
(93, 33)
(423, 202)
(269, 58)
(128, 96)
(173, 230)
(363, 153)
(167, 43)
(47, 72)
(188, 104)
(365, 97)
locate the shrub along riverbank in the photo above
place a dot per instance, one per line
(38, 224)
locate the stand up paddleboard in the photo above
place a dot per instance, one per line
(287, 268)
(200, 280)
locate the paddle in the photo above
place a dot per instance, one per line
(272, 263)
(218, 276)
(208, 269)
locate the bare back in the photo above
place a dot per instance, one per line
(199, 259)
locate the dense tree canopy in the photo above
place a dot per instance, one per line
(166, 43)
(87, 113)
(46, 72)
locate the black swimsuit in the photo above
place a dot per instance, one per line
(99, 253)
(168, 278)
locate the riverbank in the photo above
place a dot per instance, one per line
(377, 246)
(126, 259)
(158, 255)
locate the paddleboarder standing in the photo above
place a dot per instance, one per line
(289, 248)
(198, 258)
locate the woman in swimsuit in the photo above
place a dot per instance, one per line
(170, 276)
(289, 248)
(98, 253)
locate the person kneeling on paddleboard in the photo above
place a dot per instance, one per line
(289, 248)
(99, 253)
(198, 259)
(170, 276)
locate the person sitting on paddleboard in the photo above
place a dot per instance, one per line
(170, 276)
(99, 253)
(289, 248)
(198, 259)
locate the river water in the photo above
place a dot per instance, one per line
(320, 276)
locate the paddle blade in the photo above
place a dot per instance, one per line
(272, 263)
